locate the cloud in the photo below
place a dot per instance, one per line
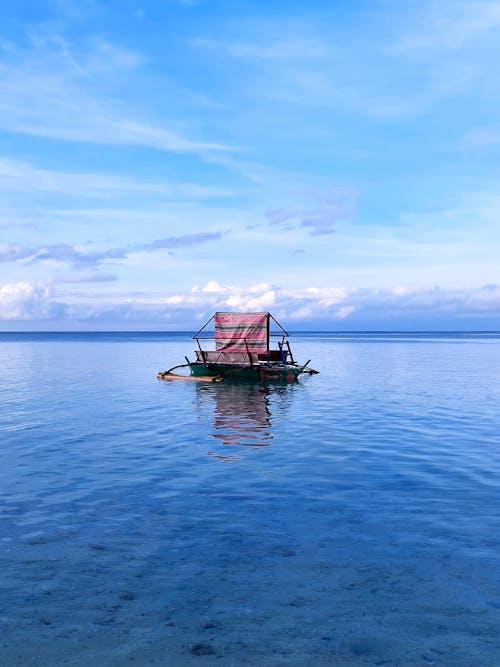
(59, 93)
(424, 54)
(323, 304)
(311, 307)
(451, 26)
(68, 254)
(23, 177)
(81, 278)
(65, 253)
(271, 49)
(321, 217)
(10, 252)
(247, 302)
(182, 241)
(29, 300)
(213, 287)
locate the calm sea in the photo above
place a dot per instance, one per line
(349, 519)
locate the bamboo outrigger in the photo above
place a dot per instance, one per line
(242, 352)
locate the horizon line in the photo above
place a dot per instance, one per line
(297, 331)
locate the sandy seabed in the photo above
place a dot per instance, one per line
(289, 603)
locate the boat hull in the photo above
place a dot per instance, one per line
(285, 373)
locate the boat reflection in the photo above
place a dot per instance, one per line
(241, 417)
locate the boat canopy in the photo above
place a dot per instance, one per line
(242, 332)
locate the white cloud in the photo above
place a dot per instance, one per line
(297, 308)
(260, 288)
(27, 300)
(344, 312)
(251, 303)
(213, 287)
(176, 300)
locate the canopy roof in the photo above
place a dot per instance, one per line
(244, 332)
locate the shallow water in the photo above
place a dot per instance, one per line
(349, 519)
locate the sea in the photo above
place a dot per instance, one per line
(350, 519)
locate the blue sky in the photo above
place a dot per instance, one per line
(336, 163)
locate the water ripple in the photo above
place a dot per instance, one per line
(349, 519)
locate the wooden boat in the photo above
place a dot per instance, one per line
(242, 351)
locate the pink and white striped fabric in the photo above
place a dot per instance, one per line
(239, 331)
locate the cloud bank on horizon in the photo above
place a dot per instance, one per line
(337, 165)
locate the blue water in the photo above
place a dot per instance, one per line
(349, 519)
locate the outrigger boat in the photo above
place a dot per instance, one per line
(242, 351)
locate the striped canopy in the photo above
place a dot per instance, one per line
(242, 332)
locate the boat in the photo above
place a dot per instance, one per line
(242, 351)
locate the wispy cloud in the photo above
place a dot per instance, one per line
(451, 26)
(182, 241)
(295, 49)
(424, 54)
(24, 177)
(321, 217)
(51, 92)
(82, 278)
(67, 254)
(481, 139)
(64, 253)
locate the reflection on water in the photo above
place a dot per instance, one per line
(241, 417)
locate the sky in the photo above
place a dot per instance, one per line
(336, 163)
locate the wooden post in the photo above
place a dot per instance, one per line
(250, 360)
(202, 352)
